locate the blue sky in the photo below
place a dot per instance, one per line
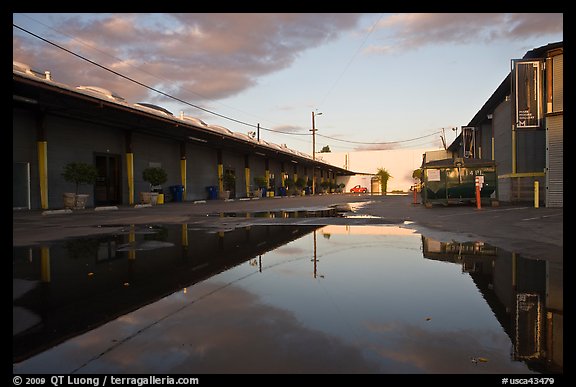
(376, 78)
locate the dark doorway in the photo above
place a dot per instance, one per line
(107, 186)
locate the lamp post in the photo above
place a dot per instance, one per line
(313, 130)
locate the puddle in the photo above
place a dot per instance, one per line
(283, 299)
(325, 212)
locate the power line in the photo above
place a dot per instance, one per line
(350, 61)
(150, 87)
(199, 107)
(378, 143)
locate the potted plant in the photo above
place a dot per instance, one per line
(78, 173)
(300, 184)
(155, 176)
(325, 185)
(229, 182)
(260, 182)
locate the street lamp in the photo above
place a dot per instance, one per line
(313, 130)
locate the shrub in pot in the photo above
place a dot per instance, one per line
(155, 176)
(78, 173)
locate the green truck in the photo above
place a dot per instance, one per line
(453, 181)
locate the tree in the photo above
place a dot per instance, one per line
(417, 174)
(80, 173)
(155, 176)
(325, 149)
(384, 175)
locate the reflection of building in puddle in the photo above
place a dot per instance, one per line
(82, 283)
(524, 294)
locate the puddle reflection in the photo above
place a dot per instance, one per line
(283, 299)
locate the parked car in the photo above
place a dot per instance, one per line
(358, 189)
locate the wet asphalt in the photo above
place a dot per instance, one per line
(521, 228)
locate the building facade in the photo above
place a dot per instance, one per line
(55, 124)
(521, 128)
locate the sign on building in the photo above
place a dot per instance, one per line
(528, 91)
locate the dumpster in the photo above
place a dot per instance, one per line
(212, 192)
(452, 181)
(176, 191)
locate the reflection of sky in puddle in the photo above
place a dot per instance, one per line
(374, 304)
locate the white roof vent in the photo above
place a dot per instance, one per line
(194, 120)
(159, 109)
(101, 92)
(26, 69)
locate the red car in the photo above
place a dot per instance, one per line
(358, 189)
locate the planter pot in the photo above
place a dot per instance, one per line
(81, 200)
(257, 193)
(69, 199)
(149, 198)
(225, 195)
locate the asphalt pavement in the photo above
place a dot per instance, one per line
(521, 228)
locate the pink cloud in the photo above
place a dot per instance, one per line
(413, 30)
(199, 56)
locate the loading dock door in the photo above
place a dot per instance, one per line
(21, 185)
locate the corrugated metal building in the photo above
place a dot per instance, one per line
(55, 123)
(521, 127)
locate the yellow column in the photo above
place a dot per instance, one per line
(132, 242)
(513, 150)
(185, 235)
(45, 264)
(43, 172)
(247, 176)
(536, 194)
(183, 177)
(267, 175)
(492, 148)
(130, 177)
(220, 178)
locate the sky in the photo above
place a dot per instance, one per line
(372, 81)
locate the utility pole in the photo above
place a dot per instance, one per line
(313, 130)
(258, 132)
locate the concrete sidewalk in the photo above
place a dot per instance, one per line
(532, 232)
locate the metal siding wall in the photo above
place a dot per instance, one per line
(235, 161)
(69, 140)
(485, 140)
(555, 161)
(502, 122)
(24, 149)
(558, 83)
(201, 171)
(531, 150)
(149, 149)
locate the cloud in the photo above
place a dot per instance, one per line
(413, 30)
(201, 56)
(289, 128)
(231, 331)
(414, 349)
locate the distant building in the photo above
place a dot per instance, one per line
(400, 163)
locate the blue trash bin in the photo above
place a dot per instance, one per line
(264, 192)
(176, 191)
(282, 191)
(212, 192)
